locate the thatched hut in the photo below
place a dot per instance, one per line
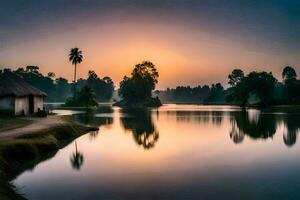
(19, 97)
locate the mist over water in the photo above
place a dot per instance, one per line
(174, 152)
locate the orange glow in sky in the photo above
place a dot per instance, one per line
(184, 55)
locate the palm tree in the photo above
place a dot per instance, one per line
(75, 57)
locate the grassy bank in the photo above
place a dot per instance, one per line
(7, 123)
(26, 151)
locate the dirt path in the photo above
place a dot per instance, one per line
(37, 124)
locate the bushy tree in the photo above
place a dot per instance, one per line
(139, 87)
(103, 88)
(256, 88)
(86, 97)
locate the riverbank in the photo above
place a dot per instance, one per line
(9, 123)
(27, 125)
(23, 151)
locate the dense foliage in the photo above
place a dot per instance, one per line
(59, 89)
(103, 87)
(137, 89)
(186, 94)
(253, 89)
(86, 97)
(262, 89)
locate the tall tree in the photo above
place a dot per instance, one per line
(75, 57)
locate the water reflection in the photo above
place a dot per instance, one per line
(252, 123)
(263, 125)
(291, 131)
(182, 116)
(142, 127)
(76, 159)
(99, 117)
(260, 126)
(94, 134)
(194, 140)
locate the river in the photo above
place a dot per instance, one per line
(174, 152)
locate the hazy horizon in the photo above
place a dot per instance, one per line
(190, 42)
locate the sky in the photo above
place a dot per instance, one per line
(191, 42)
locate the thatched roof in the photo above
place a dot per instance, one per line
(13, 85)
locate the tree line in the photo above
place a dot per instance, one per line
(59, 89)
(253, 89)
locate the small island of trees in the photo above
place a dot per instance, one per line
(136, 91)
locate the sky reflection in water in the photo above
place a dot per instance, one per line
(175, 152)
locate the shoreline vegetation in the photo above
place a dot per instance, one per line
(18, 154)
(152, 102)
(136, 90)
(255, 89)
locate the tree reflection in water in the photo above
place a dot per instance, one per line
(93, 134)
(99, 117)
(259, 125)
(292, 128)
(96, 118)
(142, 127)
(182, 116)
(236, 134)
(76, 159)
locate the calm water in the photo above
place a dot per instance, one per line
(174, 152)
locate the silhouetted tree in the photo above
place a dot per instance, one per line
(289, 73)
(75, 57)
(235, 77)
(256, 88)
(216, 94)
(138, 87)
(103, 88)
(184, 94)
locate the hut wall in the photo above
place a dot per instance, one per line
(7, 103)
(38, 103)
(21, 105)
